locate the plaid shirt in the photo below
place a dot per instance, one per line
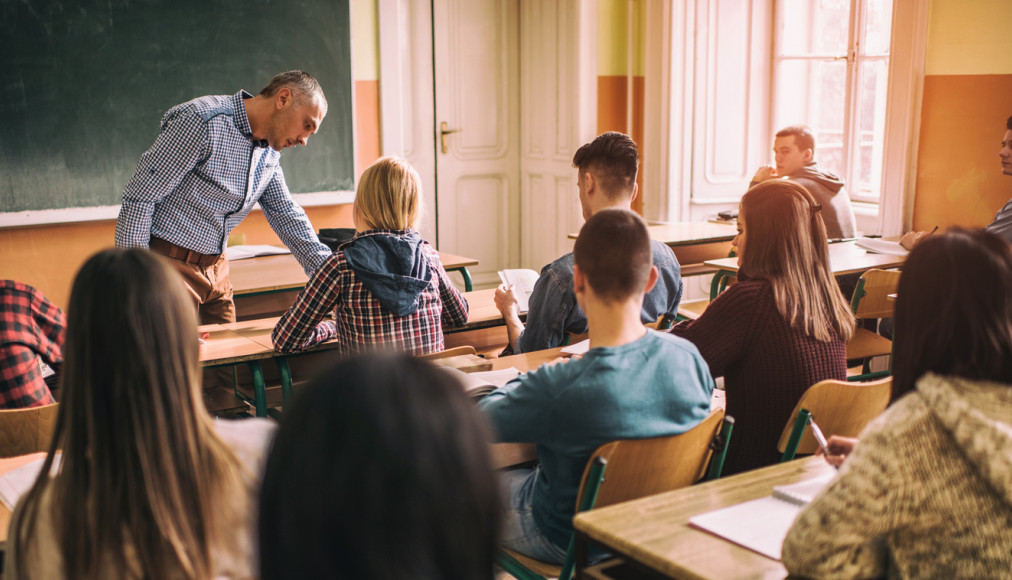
(202, 177)
(30, 327)
(361, 322)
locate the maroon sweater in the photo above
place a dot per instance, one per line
(766, 366)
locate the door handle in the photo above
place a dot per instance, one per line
(443, 132)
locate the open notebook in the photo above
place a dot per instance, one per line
(17, 482)
(482, 383)
(761, 524)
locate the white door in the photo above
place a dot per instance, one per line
(477, 160)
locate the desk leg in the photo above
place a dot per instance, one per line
(286, 378)
(715, 283)
(468, 284)
(259, 388)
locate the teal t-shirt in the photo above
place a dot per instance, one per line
(657, 385)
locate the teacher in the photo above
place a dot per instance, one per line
(215, 157)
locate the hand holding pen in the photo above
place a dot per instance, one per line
(911, 239)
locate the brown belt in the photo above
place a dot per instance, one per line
(180, 253)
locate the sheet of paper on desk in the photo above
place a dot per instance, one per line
(482, 383)
(234, 253)
(882, 246)
(17, 482)
(762, 524)
(524, 281)
(579, 348)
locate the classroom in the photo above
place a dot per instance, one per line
(488, 101)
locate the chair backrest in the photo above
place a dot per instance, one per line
(641, 467)
(455, 351)
(27, 430)
(838, 408)
(871, 296)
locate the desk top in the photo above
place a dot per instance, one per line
(689, 233)
(844, 258)
(277, 273)
(226, 346)
(655, 531)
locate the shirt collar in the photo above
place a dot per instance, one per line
(242, 120)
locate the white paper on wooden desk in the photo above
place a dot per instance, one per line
(762, 524)
(17, 482)
(234, 253)
(882, 246)
(579, 348)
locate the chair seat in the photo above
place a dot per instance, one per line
(692, 309)
(866, 344)
(536, 566)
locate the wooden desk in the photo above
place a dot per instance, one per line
(226, 347)
(6, 465)
(693, 243)
(844, 258)
(280, 273)
(654, 532)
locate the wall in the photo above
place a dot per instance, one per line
(967, 99)
(613, 73)
(48, 256)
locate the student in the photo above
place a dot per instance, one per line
(606, 169)
(148, 486)
(927, 493)
(794, 151)
(632, 383)
(781, 328)
(381, 470)
(386, 286)
(31, 327)
(214, 159)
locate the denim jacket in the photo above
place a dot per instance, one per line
(553, 309)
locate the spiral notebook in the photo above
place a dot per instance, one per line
(761, 524)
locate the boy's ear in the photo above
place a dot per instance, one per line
(579, 280)
(652, 279)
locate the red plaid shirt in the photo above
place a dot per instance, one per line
(30, 327)
(361, 322)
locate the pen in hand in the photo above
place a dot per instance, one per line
(819, 437)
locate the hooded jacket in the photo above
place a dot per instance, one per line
(927, 493)
(393, 268)
(828, 190)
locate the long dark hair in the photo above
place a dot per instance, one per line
(381, 469)
(141, 465)
(954, 310)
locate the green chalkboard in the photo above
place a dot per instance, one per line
(84, 85)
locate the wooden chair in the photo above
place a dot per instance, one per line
(838, 408)
(635, 468)
(871, 302)
(27, 430)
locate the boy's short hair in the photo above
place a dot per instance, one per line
(614, 160)
(614, 253)
(1008, 124)
(804, 138)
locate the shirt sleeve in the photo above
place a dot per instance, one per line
(303, 325)
(841, 533)
(455, 307)
(180, 146)
(520, 411)
(290, 223)
(52, 328)
(722, 332)
(551, 308)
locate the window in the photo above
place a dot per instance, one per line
(830, 71)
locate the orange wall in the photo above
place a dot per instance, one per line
(49, 256)
(367, 124)
(612, 105)
(959, 180)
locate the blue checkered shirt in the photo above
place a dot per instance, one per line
(202, 177)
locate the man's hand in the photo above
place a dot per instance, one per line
(506, 300)
(911, 239)
(839, 449)
(764, 173)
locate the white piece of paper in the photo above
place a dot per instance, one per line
(761, 525)
(234, 253)
(880, 246)
(17, 482)
(523, 280)
(579, 348)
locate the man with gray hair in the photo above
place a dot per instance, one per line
(214, 158)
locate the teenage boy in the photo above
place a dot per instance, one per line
(606, 177)
(633, 383)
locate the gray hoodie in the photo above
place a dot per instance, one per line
(828, 190)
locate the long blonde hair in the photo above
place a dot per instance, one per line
(786, 245)
(389, 195)
(141, 465)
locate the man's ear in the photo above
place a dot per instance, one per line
(652, 279)
(579, 280)
(282, 98)
(589, 183)
(808, 155)
(636, 190)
